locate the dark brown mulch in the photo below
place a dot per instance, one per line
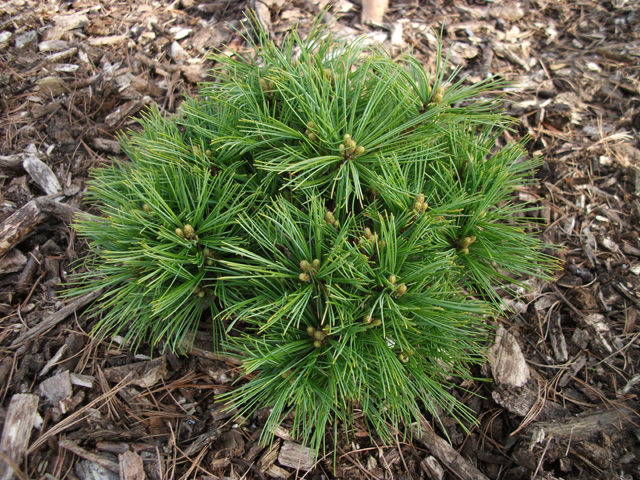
(563, 400)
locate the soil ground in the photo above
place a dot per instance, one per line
(72, 75)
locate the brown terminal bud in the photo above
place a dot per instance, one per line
(315, 264)
(201, 293)
(341, 147)
(208, 262)
(376, 322)
(311, 330)
(208, 153)
(346, 137)
(147, 208)
(310, 125)
(403, 357)
(392, 279)
(286, 374)
(367, 232)
(179, 232)
(359, 151)
(208, 252)
(304, 277)
(367, 319)
(196, 150)
(317, 343)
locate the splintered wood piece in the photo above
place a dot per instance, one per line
(131, 467)
(21, 416)
(81, 452)
(455, 462)
(56, 317)
(12, 163)
(87, 470)
(269, 457)
(373, 10)
(62, 211)
(432, 468)
(275, 471)
(589, 427)
(20, 225)
(509, 366)
(57, 387)
(12, 262)
(145, 374)
(296, 456)
(42, 175)
(106, 145)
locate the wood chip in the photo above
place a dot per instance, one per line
(441, 449)
(294, 455)
(14, 261)
(106, 145)
(88, 470)
(42, 175)
(373, 10)
(432, 468)
(20, 225)
(52, 320)
(131, 467)
(18, 424)
(81, 452)
(110, 40)
(269, 457)
(85, 381)
(275, 471)
(57, 387)
(145, 374)
(508, 366)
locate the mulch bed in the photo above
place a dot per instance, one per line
(562, 400)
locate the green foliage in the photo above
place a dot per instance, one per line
(336, 213)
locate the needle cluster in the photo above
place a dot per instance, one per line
(343, 217)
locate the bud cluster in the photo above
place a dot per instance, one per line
(349, 148)
(420, 206)
(438, 95)
(318, 336)
(266, 85)
(331, 220)
(208, 255)
(400, 290)
(311, 130)
(466, 242)
(369, 320)
(308, 269)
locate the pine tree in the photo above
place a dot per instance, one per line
(342, 216)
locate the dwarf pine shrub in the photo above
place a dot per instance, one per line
(342, 217)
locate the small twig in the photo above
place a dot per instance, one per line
(544, 452)
(567, 302)
(56, 317)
